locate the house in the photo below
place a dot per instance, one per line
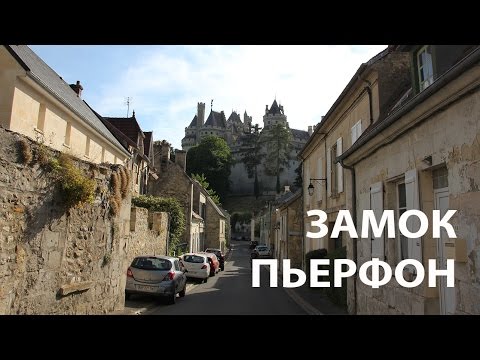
(206, 222)
(138, 145)
(288, 229)
(38, 103)
(366, 99)
(423, 155)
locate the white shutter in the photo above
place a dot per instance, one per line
(329, 172)
(339, 167)
(354, 133)
(376, 204)
(413, 223)
(321, 184)
(359, 129)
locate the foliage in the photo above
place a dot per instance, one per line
(26, 151)
(76, 187)
(298, 179)
(213, 158)
(278, 140)
(175, 212)
(241, 218)
(252, 156)
(205, 184)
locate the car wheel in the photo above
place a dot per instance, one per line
(127, 296)
(171, 299)
(182, 293)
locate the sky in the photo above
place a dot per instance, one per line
(165, 83)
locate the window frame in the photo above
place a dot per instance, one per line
(427, 49)
(398, 213)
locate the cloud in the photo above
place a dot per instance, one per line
(166, 83)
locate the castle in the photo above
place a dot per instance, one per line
(235, 132)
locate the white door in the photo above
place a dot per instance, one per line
(447, 294)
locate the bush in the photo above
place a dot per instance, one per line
(175, 212)
(26, 151)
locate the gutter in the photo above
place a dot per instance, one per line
(454, 72)
(354, 218)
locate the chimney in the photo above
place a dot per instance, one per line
(181, 159)
(77, 88)
(266, 109)
(310, 130)
(164, 155)
(287, 188)
(200, 114)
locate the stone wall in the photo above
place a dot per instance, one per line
(148, 233)
(55, 260)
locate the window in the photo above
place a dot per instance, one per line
(333, 169)
(41, 118)
(425, 67)
(440, 178)
(177, 265)
(68, 132)
(401, 208)
(87, 148)
(356, 131)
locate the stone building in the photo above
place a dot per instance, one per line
(205, 221)
(38, 103)
(424, 155)
(366, 99)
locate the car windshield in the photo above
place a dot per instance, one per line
(193, 259)
(151, 263)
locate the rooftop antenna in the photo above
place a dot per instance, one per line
(128, 101)
(211, 105)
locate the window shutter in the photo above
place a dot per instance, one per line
(359, 129)
(413, 223)
(321, 184)
(329, 172)
(339, 167)
(354, 133)
(376, 204)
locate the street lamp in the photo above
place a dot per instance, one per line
(311, 188)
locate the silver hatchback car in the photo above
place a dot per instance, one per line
(156, 275)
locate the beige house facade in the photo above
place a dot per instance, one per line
(363, 102)
(38, 103)
(424, 155)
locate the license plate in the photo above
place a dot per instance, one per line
(146, 288)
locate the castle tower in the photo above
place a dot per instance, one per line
(274, 115)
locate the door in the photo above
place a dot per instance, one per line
(446, 294)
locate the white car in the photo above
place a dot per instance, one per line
(261, 251)
(196, 266)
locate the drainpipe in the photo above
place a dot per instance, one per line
(354, 217)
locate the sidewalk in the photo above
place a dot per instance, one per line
(314, 301)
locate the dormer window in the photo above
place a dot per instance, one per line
(425, 67)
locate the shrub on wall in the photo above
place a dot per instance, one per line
(26, 151)
(76, 187)
(175, 212)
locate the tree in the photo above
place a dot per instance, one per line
(212, 158)
(203, 181)
(278, 140)
(298, 179)
(251, 156)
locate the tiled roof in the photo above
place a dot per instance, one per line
(194, 122)
(146, 142)
(234, 117)
(53, 83)
(300, 134)
(275, 108)
(128, 126)
(216, 119)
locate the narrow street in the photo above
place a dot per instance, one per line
(229, 292)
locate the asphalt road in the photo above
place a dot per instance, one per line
(229, 292)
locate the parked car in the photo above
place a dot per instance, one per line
(253, 244)
(197, 266)
(261, 251)
(214, 263)
(220, 256)
(156, 275)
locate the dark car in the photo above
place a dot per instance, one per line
(253, 244)
(220, 256)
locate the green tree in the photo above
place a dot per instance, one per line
(213, 158)
(298, 179)
(203, 181)
(278, 140)
(175, 212)
(252, 156)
